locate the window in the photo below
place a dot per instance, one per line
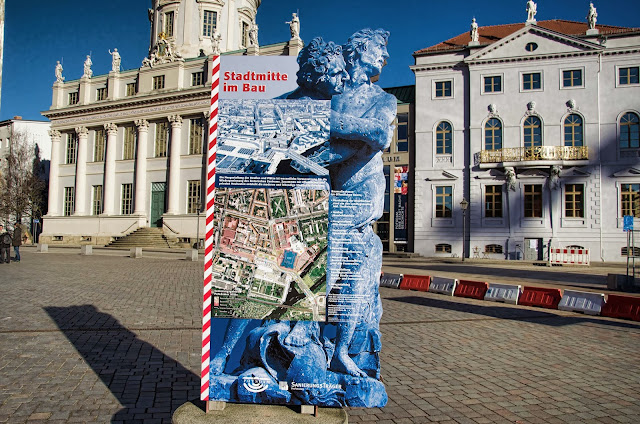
(493, 84)
(131, 89)
(572, 78)
(197, 78)
(168, 24)
(402, 129)
(73, 98)
(162, 135)
(493, 248)
(443, 248)
(630, 199)
(532, 132)
(193, 196)
(629, 131)
(493, 201)
(530, 47)
(443, 88)
(531, 81)
(533, 201)
(98, 146)
(72, 143)
(101, 93)
(195, 136)
(573, 131)
(209, 23)
(443, 201)
(129, 146)
(245, 34)
(493, 134)
(69, 197)
(628, 76)
(97, 200)
(443, 139)
(574, 201)
(127, 199)
(634, 251)
(158, 82)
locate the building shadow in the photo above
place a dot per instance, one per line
(495, 310)
(149, 384)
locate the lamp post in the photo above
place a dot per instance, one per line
(198, 205)
(464, 205)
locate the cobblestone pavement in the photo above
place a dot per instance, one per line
(111, 339)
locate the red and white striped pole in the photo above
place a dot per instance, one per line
(208, 243)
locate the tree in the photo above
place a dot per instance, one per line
(22, 184)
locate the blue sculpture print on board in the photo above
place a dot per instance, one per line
(328, 364)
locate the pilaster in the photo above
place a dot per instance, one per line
(81, 172)
(174, 164)
(54, 165)
(57, 100)
(84, 96)
(141, 167)
(113, 85)
(109, 193)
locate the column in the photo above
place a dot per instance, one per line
(109, 192)
(141, 168)
(174, 165)
(54, 208)
(81, 172)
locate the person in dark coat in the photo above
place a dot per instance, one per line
(5, 243)
(17, 241)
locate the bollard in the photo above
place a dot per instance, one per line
(192, 255)
(136, 252)
(42, 247)
(86, 249)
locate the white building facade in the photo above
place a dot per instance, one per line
(128, 148)
(536, 126)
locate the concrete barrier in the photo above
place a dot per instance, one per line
(589, 303)
(503, 293)
(42, 247)
(415, 282)
(86, 250)
(136, 252)
(443, 285)
(390, 280)
(192, 255)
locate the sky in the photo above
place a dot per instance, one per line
(40, 32)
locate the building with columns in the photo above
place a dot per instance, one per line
(535, 125)
(128, 148)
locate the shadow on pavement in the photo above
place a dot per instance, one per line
(492, 310)
(149, 384)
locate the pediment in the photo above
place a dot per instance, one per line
(549, 43)
(441, 176)
(627, 172)
(574, 173)
(492, 174)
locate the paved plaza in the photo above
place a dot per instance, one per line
(106, 338)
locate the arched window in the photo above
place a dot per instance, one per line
(493, 134)
(573, 131)
(443, 139)
(532, 132)
(629, 131)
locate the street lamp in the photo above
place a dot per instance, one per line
(464, 205)
(197, 244)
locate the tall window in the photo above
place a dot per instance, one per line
(533, 201)
(193, 196)
(158, 82)
(127, 199)
(197, 78)
(209, 23)
(493, 84)
(572, 78)
(443, 88)
(630, 199)
(493, 201)
(245, 34)
(629, 131)
(73, 98)
(531, 81)
(168, 24)
(402, 129)
(195, 136)
(573, 131)
(129, 146)
(493, 134)
(72, 143)
(574, 201)
(628, 76)
(532, 132)
(443, 139)
(97, 200)
(69, 197)
(101, 93)
(444, 201)
(131, 89)
(162, 135)
(98, 146)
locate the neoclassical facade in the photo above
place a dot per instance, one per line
(127, 148)
(536, 126)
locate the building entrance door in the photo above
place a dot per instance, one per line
(533, 249)
(157, 203)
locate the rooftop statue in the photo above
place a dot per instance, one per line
(294, 25)
(592, 17)
(531, 11)
(474, 31)
(115, 60)
(87, 67)
(215, 42)
(59, 77)
(253, 34)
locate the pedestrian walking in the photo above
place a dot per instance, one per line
(5, 244)
(17, 241)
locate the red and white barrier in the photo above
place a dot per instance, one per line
(569, 256)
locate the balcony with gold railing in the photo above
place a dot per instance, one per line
(529, 155)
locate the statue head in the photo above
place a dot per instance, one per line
(322, 68)
(367, 48)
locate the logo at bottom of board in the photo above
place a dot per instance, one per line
(255, 384)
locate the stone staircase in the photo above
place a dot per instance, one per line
(145, 237)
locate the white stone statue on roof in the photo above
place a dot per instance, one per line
(592, 17)
(215, 43)
(532, 9)
(87, 67)
(474, 31)
(59, 77)
(253, 34)
(115, 60)
(294, 25)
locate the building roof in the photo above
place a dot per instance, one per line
(491, 34)
(404, 94)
